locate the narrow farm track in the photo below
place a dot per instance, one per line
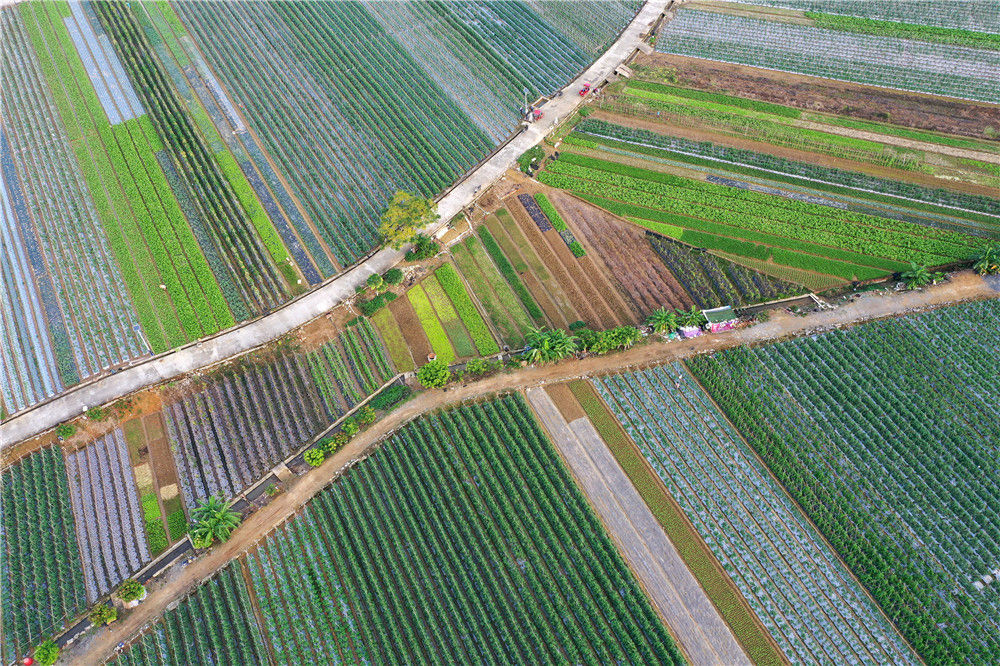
(962, 286)
(697, 626)
(319, 301)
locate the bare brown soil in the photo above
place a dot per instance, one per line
(413, 332)
(915, 110)
(963, 286)
(702, 134)
(161, 460)
(626, 253)
(565, 401)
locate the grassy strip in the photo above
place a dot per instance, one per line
(905, 132)
(394, 341)
(459, 337)
(455, 288)
(509, 274)
(926, 33)
(689, 544)
(493, 292)
(718, 98)
(431, 325)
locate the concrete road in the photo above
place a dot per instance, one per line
(321, 299)
(699, 629)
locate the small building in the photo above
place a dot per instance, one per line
(720, 319)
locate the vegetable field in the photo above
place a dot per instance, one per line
(405, 559)
(452, 91)
(713, 282)
(42, 582)
(757, 225)
(254, 413)
(886, 434)
(108, 514)
(792, 580)
(941, 69)
(213, 625)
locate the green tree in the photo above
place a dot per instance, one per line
(549, 345)
(662, 321)
(424, 247)
(213, 519)
(376, 282)
(919, 276)
(350, 427)
(987, 262)
(393, 276)
(103, 614)
(434, 374)
(47, 653)
(314, 457)
(405, 216)
(366, 415)
(130, 590)
(690, 318)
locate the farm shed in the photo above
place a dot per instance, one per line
(720, 319)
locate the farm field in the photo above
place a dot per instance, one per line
(901, 413)
(252, 415)
(156, 480)
(793, 581)
(42, 579)
(909, 64)
(799, 234)
(871, 144)
(976, 15)
(408, 561)
(109, 517)
(214, 624)
(697, 626)
(370, 146)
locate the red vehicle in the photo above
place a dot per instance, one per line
(585, 89)
(536, 114)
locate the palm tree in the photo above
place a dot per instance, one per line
(690, 318)
(662, 321)
(213, 519)
(916, 276)
(987, 262)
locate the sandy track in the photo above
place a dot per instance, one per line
(693, 619)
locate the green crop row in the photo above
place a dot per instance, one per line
(879, 237)
(509, 273)
(550, 212)
(927, 33)
(740, 242)
(448, 317)
(431, 324)
(708, 102)
(399, 352)
(455, 288)
(718, 98)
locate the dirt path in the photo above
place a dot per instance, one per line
(962, 286)
(697, 626)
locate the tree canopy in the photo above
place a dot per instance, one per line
(406, 215)
(434, 374)
(212, 519)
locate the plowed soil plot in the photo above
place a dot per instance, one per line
(409, 324)
(814, 94)
(586, 298)
(626, 253)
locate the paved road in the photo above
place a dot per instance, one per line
(696, 624)
(320, 300)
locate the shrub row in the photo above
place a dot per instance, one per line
(455, 288)
(509, 273)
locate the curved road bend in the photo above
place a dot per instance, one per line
(319, 301)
